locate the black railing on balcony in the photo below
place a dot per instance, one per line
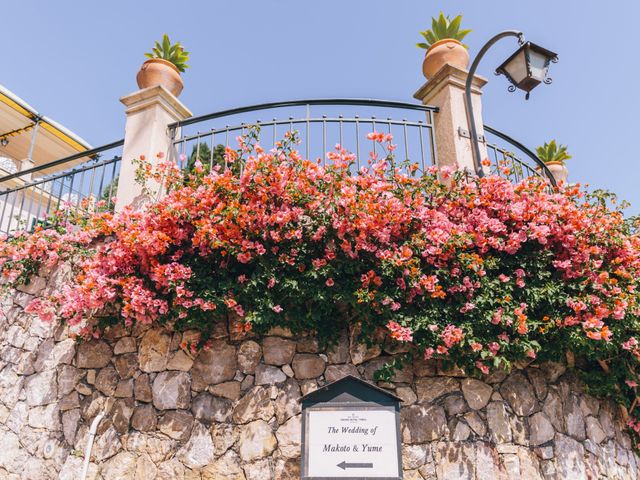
(30, 196)
(321, 124)
(324, 122)
(515, 162)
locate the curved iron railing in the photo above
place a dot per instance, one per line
(509, 165)
(334, 129)
(310, 102)
(321, 123)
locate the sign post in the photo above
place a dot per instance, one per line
(351, 429)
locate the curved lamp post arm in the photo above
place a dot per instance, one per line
(477, 161)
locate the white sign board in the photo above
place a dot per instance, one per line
(358, 443)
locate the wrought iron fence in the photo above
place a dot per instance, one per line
(320, 123)
(514, 162)
(30, 196)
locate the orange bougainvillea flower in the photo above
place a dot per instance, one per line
(464, 268)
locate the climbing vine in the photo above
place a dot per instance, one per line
(476, 271)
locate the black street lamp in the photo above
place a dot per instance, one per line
(525, 69)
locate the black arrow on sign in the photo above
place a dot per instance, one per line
(345, 465)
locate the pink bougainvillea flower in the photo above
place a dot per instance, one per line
(462, 267)
(482, 367)
(400, 333)
(451, 335)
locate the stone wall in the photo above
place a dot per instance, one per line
(233, 412)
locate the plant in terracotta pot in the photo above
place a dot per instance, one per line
(443, 45)
(554, 156)
(166, 62)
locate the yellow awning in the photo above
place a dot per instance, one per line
(17, 125)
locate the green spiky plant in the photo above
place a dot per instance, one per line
(173, 53)
(552, 152)
(442, 28)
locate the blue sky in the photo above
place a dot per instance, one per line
(73, 60)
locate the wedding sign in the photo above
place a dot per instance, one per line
(351, 430)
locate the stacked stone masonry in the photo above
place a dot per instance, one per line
(233, 412)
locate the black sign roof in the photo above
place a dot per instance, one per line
(350, 389)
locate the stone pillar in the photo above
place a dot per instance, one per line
(148, 111)
(445, 90)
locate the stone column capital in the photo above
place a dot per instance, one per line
(448, 76)
(446, 90)
(156, 96)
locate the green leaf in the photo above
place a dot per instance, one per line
(173, 53)
(443, 27)
(434, 25)
(422, 45)
(166, 44)
(454, 26)
(463, 33)
(443, 22)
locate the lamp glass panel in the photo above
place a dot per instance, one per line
(539, 64)
(517, 67)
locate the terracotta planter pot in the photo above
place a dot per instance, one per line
(447, 51)
(157, 71)
(559, 171)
